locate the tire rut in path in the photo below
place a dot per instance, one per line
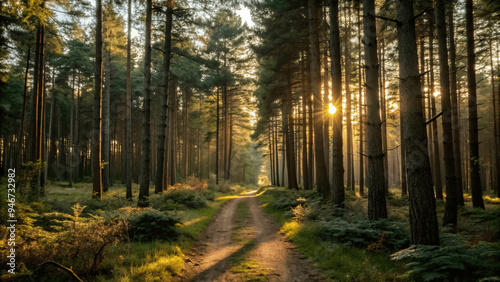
(211, 257)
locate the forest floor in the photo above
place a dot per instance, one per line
(243, 243)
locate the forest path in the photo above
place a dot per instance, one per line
(244, 244)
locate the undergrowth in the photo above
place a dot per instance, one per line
(346, 246)
(110, 238)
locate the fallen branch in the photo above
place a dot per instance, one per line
(50, 262)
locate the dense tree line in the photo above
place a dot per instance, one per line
(349, 94)
(406, 136)
(95, 121)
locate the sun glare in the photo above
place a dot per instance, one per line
(331, 109)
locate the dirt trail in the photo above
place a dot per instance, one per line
(212, 256)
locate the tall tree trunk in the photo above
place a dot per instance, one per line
(497, 137)
(326, 93)
(172, 117)
(436, 154)
(423, 220)
(283, 158)
(305, 165)
(76, 135)
(128, 110)
(404, 188)
(321, 171)
(360, 101)
(185, 128)
(36, 136)
(106, 133)
(41, 108)
(96, 136)
(276, 152)
(376, 181)
(49, 133)
(475, 180)
(288, 134)
(71, 131)
(217, 145)
(271, 156)
(496, 174)
(350, 182)
(230, 146)
(146, 114)
(311, 166)
(337, 162)
(20, 137)
(159, 186)
(383, 111)
(450, 213)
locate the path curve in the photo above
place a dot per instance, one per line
(210, 258)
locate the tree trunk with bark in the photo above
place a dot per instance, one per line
(96, 136)
(435, 137)
(288, 133)
(128, 110)
(337, 157)
(475, 179)
(146, 114)
(321, 171)
(377, 207)
(106, 131)
(159, 185)
(450, 214)
(423, 220)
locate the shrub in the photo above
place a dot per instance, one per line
(399, 201)
(79, 243)
(455, 260)
(154, 225)
(183, 199)
(363, 233)
(224, 185)
(284, 203)
(196, 184)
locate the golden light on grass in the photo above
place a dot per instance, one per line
(331, 109)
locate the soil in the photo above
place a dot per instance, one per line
(274, 258)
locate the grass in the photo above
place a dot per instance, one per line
(336, 261)
(242, 234)
(344, 263)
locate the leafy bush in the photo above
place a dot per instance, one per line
(399, 201)
(77, 242)
(288, 199)
(196, 184)
(183, 199)
(284, 203)
(454, 260)
(480, 215)
(154, 225)
(363, 233)
(224, 185)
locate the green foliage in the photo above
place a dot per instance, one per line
(338, 262)
(154, 225)
(288, 199)
(480, 215)
(454, 260)
(181, 199)
(398, 201)
(27, 175)
(363, 233)
(78, 242)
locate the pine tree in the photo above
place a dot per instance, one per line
(423, 221)
(376, 181)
